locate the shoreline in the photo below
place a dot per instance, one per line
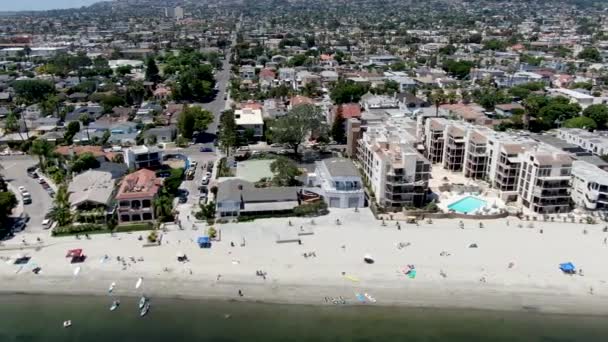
(509, 269)
(486, 298)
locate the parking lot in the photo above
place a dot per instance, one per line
(15, 173)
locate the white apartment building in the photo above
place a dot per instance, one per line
(138, 157)
(592, 142)
(397, 172)
(544, 182)
(584, 100)
(250, 119)
(340, 183)
(589, 186)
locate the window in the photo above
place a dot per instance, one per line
(147, 216)
(146, 203)
(125, 203)
(125, 218)
(135, 217)
(136, 204)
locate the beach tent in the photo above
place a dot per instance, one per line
(567, 267)
(204, 242)
(74, 253)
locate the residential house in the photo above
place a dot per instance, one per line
(506, 110)
(237, 197)
(247, 72)
(161, 134)
(91, 190)
(136, 196)
(339, 182)
(248, 119)
(267, 78)
(143, 156)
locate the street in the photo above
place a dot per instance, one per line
(15, 173)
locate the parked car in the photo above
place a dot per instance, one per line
(210, 166)
(19, 226)
(193, 164)
(206, 149)
(243, 149)
(46, 223)
(205, 180)
(183, 199)
(22, 189)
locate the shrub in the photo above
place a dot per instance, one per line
(133, 227)
(80, 229)
(212, 232)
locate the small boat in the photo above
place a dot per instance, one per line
(142, 302)
(111, 288)
(115, 305)
(144, 310)
(139, 281)
(67, 324)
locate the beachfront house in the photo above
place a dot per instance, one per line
(237, 197)
(136, 196)
(339, 182)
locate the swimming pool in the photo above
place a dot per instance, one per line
(467, 205)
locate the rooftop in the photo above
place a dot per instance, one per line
(142, 183)
(341, 167)
(91, 186)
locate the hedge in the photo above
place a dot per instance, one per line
(87, 228)
(133, 227)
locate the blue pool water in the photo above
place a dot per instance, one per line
(467, 205)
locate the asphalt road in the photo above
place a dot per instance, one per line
(218, 105)
(15, 173)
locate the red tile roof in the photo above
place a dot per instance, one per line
(267, 73)
(139, 184)
(349, 110)
(300, 100)
(97, 151)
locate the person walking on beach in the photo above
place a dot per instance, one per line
(240, 293)
(218, 277)
(605, 241)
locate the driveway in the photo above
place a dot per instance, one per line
(15, 173)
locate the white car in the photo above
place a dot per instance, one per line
(46, 224)
(193, 164)
(22, 189)
(205, 180)
(243, 148)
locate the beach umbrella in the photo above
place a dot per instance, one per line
(567, 267)
(368, 259)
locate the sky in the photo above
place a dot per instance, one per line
(28, 5)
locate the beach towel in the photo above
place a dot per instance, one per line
(351, 278)
(412, 274)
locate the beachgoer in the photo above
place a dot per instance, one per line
(605, 241)
(240, 293)
(218, 277)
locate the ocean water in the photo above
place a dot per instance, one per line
(39, 318)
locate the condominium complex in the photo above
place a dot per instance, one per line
(591, 142)
(589, 186)
(544, 183)
(396, 171)
(520, 168)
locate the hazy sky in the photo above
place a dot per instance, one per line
(24, 5)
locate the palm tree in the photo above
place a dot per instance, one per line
(451, 97)
(42, 149)
(437, 98)
(85, 120)
(11, 124)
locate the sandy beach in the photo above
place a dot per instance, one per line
(449, 272)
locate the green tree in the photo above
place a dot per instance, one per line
(599, 114)
(194, 84)
(494, 44)
(590, 54)
(32, 91)
(292, 129)
(11, 124)
(61, 206)
(193, 118)
(8, 202)
(42, 148)
(123, 70)
(437, 98)
(71, 130)
(285, 172)
(580, 122)
(152, 71)
(338, 132)
(171, 184)
(458, 69)
(347, 92)
(228, 136)
(85, 119)
(84, 162)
